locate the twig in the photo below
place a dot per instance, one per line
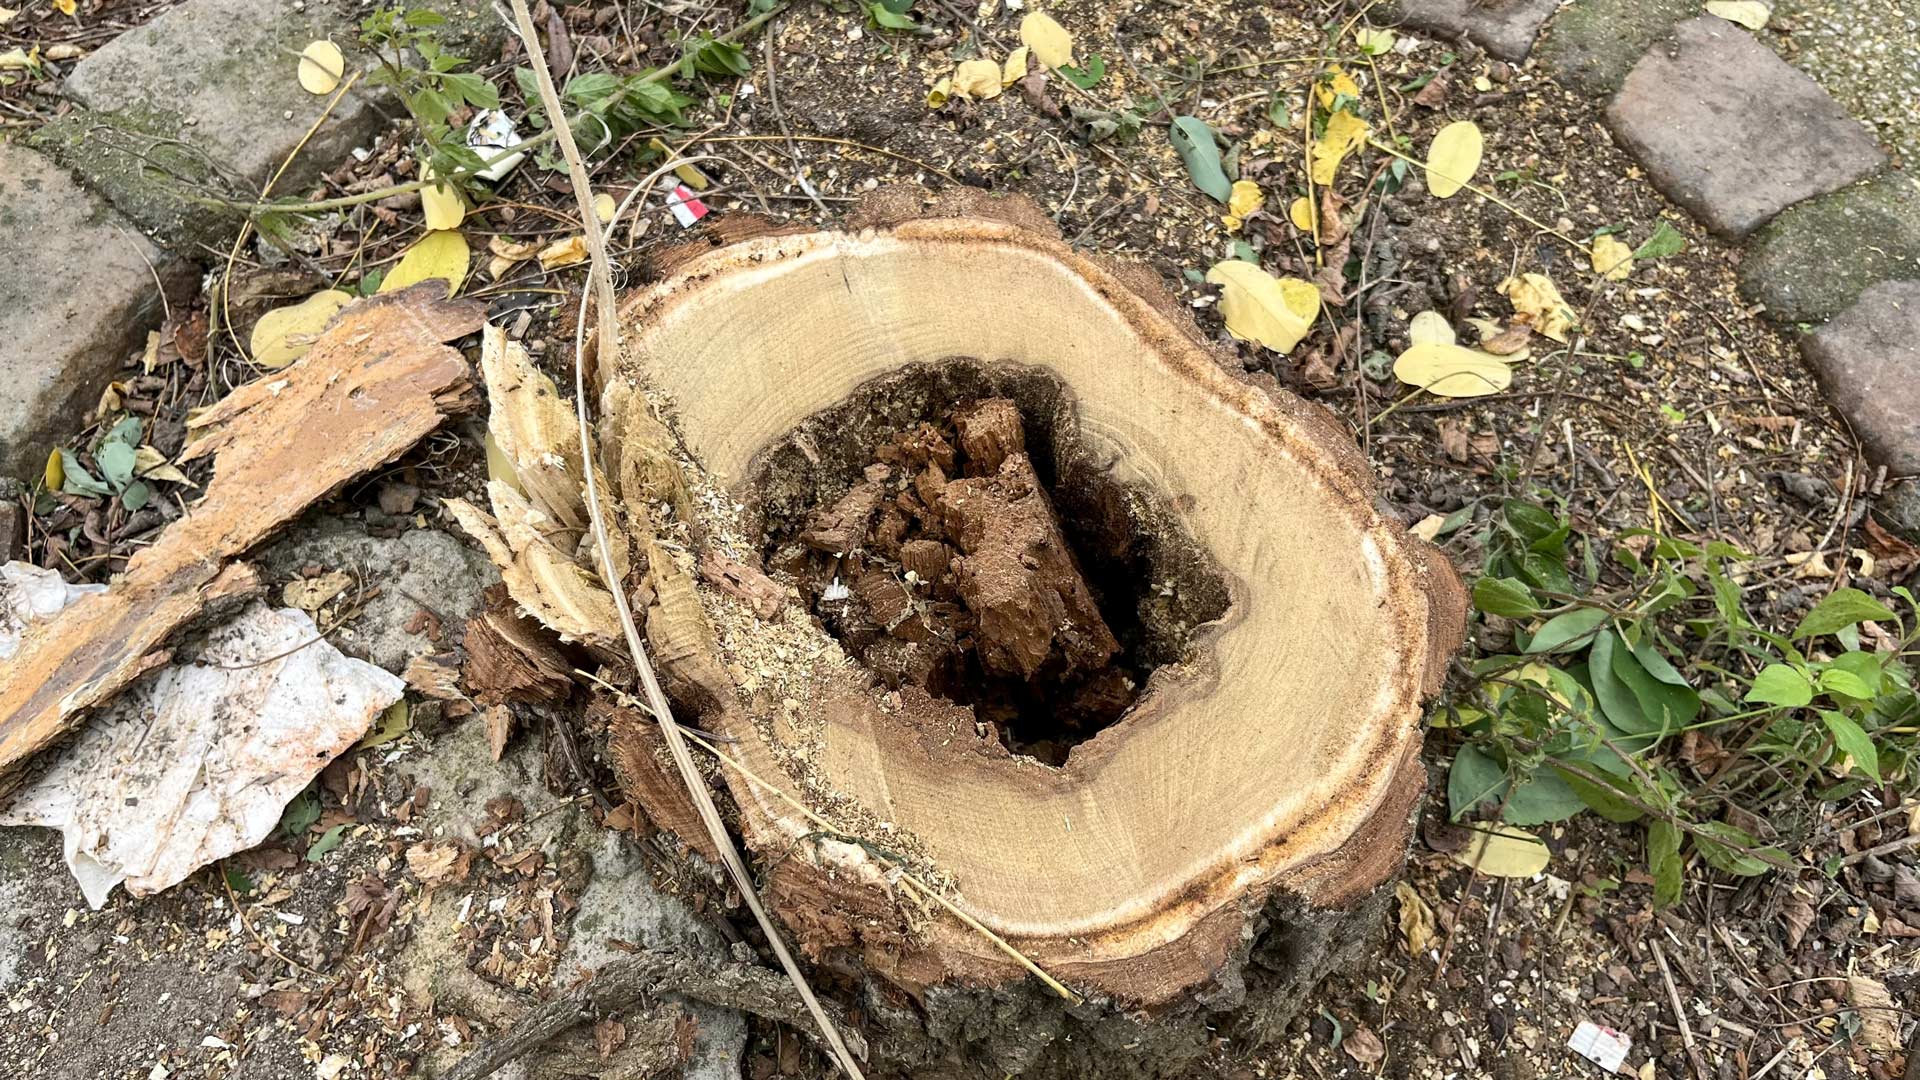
(780, 117)
(1679, 1012)
(600, 275)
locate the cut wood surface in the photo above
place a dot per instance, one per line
(1279, 752)
(376, 381)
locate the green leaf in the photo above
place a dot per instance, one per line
(1616, 698)
(237, 880)
(1085, 77)
(78, 481)
(136, 495)
(300, 814)
(1506, 597)
(1735, 851)
(1844, 608)
(475, 90)
(1665, 241)
(1846, 683)
(1193, 140)
(1663, 862)
(1604, 799)
(883, 16)
(1474, 778)
(1664, 706)
(117, 462)
(1567, 631)
(1864, 666)
(126, 432)
(1853, 739)
(1655, 664)
(1545, 796)
(327, 842)
(1778, 684)
(707, 55)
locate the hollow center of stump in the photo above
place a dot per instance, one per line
(950, 527)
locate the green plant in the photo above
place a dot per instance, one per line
(117, 458)
(428, 80)
(1638, 686)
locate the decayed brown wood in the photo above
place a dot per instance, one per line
(372, 385)
(509, 660)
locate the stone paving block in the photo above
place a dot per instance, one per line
(77, 294)
(1868, 360)
(1816, 258)
(1732, 132)
(1592, 44)
(1505, 28)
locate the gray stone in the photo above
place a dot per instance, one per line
(13, 519)
(1816, 258)
(217, 81)
(1899, 506)
(1505, 28)
(1592, 44)
(1732, 132)
(1868, 360)
(419, 569)
(77, 295)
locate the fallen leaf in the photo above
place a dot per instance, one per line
(977, 79)
(508, 253)
(1416, 918)
(1537, 298)
(1879, 1017)
(321, 65)
(1374, 42)
(284, 334)
(1244, 198)
(1193, 140)
(55, 474)
(7, 14)
(1748, 13)
(1015, 68)
(18, 58)
(940, 92)
(1052, 45)
(1453, 158)
(1503, 851)
(1364, 1046)
(440, 255)
(499, 720)
(1510, 343)
(312, 594)
(603, 207)
(1301, 213)
(1430, 328)
(1333, 85)
(64, 7)
(1452, 370)
(1344, 132)
(1612, 259)
(441, 203)
(1276, 312)
(395, 722)
(565, 252)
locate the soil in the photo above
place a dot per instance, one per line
(1680, 409)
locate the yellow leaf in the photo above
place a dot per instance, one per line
(1335, 84)
(940, 92)
(1276, 312)
(1374, 42)
(1536, 297)
(1504, 851)
(56, 472)
(1304, 216)
(1452, 370)
(1416, 918)
(441, 203)
(1052, 45)
(565, 252)
(977, 79)
(1015, 68)
(321, 66)
(1431, 328)
(64, 7)
(1344, 132)
(19, 58)
(438, 255)
(1748, 13)
(7, 14)
(395, 722)
(1612, 259)
(1245, 198)
(603, 207)
(284, 334)
(1453, 158)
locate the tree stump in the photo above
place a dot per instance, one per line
(945, 430)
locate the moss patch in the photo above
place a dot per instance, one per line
(135, 158)
(1815, 259)
(1591, 45)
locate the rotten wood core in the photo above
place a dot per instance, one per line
(944, 562)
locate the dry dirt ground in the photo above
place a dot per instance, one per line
(1678, 389)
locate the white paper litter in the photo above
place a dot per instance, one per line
(28, 593)
(489, 132)
(1603, 1046)
(197, 761)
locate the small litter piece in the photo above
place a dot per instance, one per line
(28, 593)
(685, 205)
(198, 761)
(489, 132)
(1603, 1046)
